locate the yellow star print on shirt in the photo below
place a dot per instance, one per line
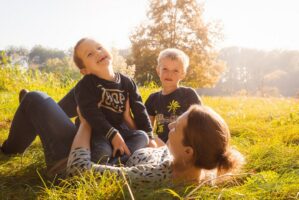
(173, 106)
(160, 128)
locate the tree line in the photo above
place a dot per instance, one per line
(169, 24)
(179, 24)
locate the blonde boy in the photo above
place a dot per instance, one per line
(173, 100)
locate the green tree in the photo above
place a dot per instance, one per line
(120, 65)
(177, 24)
(39, 55)
(19, 55)
(4, 58)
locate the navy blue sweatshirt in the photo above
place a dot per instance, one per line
(102, 104)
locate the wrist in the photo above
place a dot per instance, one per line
(111, 134)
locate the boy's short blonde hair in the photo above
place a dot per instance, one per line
(174, 54)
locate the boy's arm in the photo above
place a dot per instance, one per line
(158, 141)
(152, 118)
(139, 112)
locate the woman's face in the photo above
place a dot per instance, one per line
(176, 136)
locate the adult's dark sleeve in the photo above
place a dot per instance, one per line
(86, 97)
(138, 109)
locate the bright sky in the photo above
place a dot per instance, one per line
(262, 24)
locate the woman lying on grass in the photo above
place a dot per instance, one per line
(198, 140)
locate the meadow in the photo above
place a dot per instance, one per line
(265, 130)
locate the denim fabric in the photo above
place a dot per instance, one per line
(101, 148)
(38, 114)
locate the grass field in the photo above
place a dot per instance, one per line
(265, 130)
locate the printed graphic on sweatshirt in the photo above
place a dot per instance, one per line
(163, 120)
(112, 99)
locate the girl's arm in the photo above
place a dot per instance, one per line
(158, 141)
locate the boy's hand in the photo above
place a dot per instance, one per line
(152, 143)
(119, 144)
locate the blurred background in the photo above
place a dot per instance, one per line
(236, 47)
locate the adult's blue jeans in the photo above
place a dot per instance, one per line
(39, 114)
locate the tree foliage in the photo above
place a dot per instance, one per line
(120, 65)
(4, 58)
(177, 24)
(39, 55)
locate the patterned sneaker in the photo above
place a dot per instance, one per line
(22, 93)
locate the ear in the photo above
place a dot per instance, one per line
(158, 70)
(84, 71)
(189, 152)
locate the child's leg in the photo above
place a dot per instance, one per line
(68, 103)
(101, 148)
(38, 113)
(135, 139)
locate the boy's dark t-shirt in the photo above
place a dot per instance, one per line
(167, 108)
(102, 104)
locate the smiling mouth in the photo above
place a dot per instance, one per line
(103, 58)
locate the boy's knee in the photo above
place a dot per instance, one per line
(142, 136)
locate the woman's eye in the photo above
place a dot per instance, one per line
(99, 48)
(90, 54)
